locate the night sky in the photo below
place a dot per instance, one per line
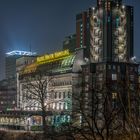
(43, 24)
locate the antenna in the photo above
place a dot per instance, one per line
(30, 49)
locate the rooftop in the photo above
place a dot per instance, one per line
(21, 53)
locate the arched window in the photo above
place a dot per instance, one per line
(64, 95)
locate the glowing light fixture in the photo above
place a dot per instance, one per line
(123, 6)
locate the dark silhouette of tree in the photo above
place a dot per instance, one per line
(36, 94)
(96, 116)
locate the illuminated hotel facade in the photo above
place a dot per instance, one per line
(64, 70)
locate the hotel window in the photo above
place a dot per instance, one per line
(55, 96)
(136, 69)
(68, 118)
(86, 78)
(66, 106)
(59, 95)
(131, 77)
(118, 68)
(114, 67)
(109, 67)
(69, 94)
(114, 95)
(64, 95)
(100, 77)
(131, 68)
(132, 86)
(104, 67)
(86, 87)
(97, 67)
(59, 105)
(114, 77)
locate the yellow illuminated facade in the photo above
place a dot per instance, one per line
(52, 57)
(30, 68)
(45, 59)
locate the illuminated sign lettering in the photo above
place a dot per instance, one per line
(45, 59)
(52, 57)
(30, 68)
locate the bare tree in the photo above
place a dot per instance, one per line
(96, 116)
(130, 106)
(36, 93)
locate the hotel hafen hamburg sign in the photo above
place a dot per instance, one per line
(52, 57)
(45, 59)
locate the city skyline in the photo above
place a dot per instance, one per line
(42, 25)
(81, 85)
